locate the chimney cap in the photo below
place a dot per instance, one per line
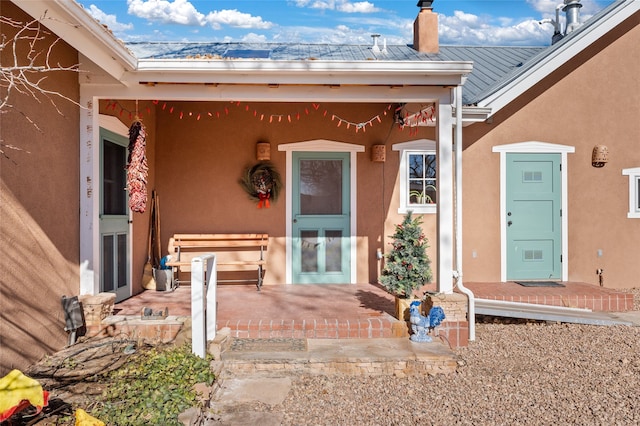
(424, 4)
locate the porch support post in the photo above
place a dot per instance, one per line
(89, 194)
(444, 138)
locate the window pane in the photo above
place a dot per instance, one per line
(416, 166)
(108, 266)
(333, 252)
(430, 165)
(114, 179)
(309, 249)
(430, 191)
(320, 187)
(122, 260)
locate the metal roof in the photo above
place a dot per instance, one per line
(490, 64)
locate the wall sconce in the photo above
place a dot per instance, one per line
(378, 153)
(600, 156)
(263, 151)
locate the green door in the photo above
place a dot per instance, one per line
(114, 215)
(533, 201)
(320, 213)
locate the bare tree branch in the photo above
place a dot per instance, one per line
(26, 73)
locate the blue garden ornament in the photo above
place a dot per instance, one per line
(420, 325)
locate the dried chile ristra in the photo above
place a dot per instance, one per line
(137, 168)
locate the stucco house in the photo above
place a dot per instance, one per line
(502, 145)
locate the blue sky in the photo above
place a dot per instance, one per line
(477, 22)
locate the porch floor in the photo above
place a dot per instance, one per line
(348, 311)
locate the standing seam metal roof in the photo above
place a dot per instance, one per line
(490, 64)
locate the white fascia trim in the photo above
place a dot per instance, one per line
(72, 23)
(326, 146)
(264, 93)
(534, 147)
(559, 56)
(386, 73)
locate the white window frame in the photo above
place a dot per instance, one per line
(634, 189)
(423, 147)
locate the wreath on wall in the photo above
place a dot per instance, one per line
(262, 183)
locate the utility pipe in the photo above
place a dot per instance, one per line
(457, 274)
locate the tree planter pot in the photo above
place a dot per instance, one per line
(402, 307)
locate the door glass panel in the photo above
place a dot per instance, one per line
(114, 198)
(309, 251)
(320, 187)
(333, 251)
(122, 260)
(108, 267)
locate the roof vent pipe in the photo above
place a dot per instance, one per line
(572, 9)
(375, 48)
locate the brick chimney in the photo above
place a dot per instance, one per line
(425, 29)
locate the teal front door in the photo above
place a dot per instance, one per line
(114, 215)
(533, 217)
(320, 214)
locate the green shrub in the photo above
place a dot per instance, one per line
(154, 387)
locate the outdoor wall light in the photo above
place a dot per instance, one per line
(378, 153)
(600, 156)
(263, 151)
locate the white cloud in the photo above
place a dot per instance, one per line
(109, 20)
(182, 12)
(468, 29)
(254, 38)
(234, 18)
(357, 7)
(168, 12)
(345, 6)
(547, 8)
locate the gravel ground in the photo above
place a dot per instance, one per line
(522, 373)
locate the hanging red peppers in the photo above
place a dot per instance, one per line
(137, 168)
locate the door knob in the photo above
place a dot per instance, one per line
(509, 223)
(295, 220)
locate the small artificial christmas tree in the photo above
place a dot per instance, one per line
(407, 267)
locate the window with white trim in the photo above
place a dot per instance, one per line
(634, 192)
(418, 176)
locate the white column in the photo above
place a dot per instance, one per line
(444, 138)
(89, 195)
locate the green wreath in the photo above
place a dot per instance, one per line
(262, 183)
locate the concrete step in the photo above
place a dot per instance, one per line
(398, 357)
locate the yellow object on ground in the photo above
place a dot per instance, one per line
(15, 388)
(84, 419)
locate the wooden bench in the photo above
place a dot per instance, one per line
(234, 252)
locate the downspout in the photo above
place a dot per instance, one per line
(457, 274)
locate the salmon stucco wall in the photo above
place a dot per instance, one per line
(592, 100)
(39, 208)
(199, 162)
